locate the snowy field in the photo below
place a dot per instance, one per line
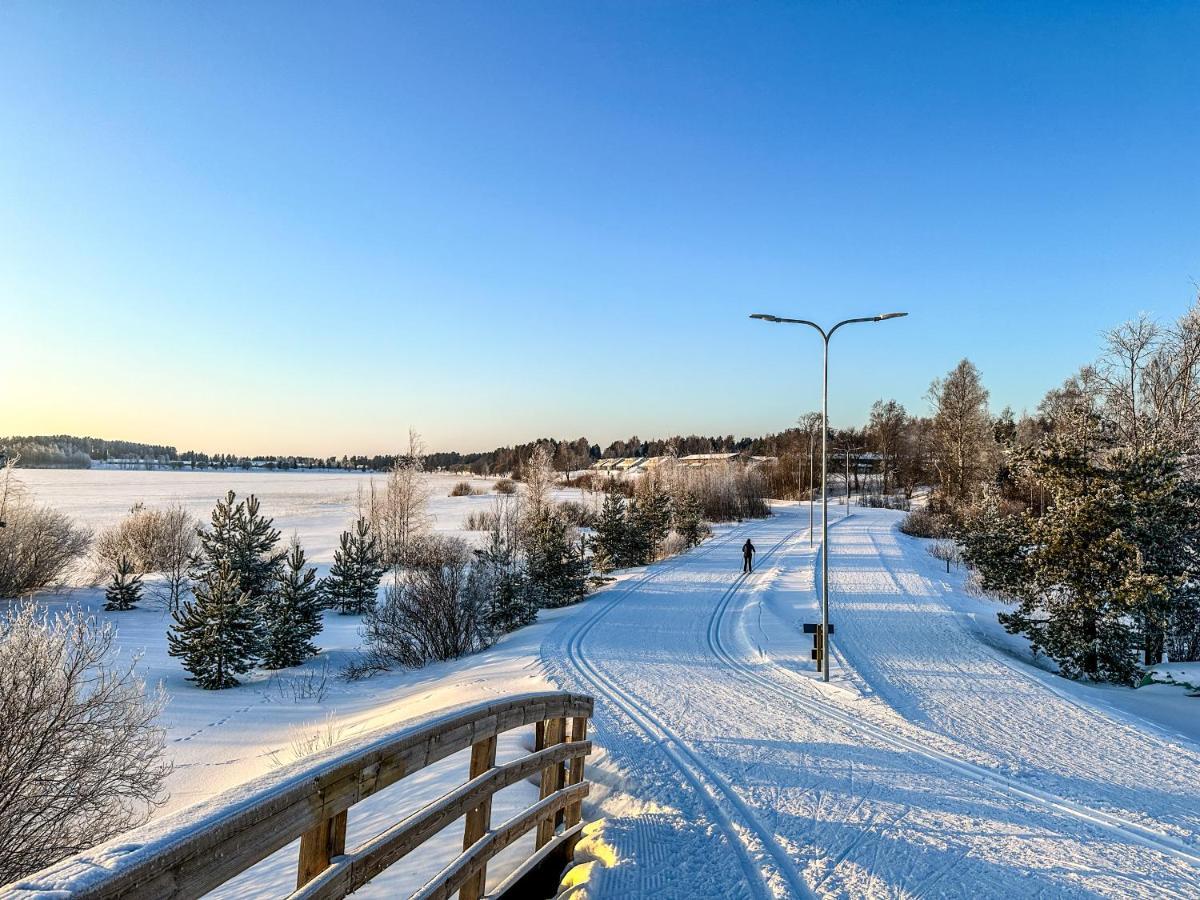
(940, 762)
(219, 739)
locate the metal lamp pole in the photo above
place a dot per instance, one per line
(811, 456)
(825, 336)
(846, 451)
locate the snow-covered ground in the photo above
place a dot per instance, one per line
(932, 765)
(220, 739)
(938, 762)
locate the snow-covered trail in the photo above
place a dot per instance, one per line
(732, 773)
(902, 637)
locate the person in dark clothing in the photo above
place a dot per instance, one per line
(748, 552)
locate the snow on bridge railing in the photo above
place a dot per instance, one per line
(201, 848)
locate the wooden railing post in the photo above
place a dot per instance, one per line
(575, 774)
(318, 846)
(552, 778)
(479, 819)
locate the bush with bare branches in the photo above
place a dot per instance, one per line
(157, 542)
(429, 615)
(39, 547)
(80, 752)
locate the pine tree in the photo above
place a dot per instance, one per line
(1112, 561)
(353, 581)
(125, 589)
(216, 633)
(609, 538)
(688, 520)
(244, 538)
(650, 517)
(291, 613)
(557, 569)
(635, 549)
(498, 585)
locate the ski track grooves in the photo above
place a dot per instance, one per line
(1131, 831)
(709, 785)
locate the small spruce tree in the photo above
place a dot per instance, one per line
(125, 589)
(687, 518)
(499, 586)
(557, 569)
(610, 536)
(353, 581)
(216, 633)
(291, 613)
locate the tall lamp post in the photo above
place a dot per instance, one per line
(825, 336)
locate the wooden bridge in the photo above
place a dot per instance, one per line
(201, 848)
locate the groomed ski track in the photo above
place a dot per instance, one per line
(934, 766)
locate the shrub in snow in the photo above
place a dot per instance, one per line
(39, 547)
(429, 614)
(80, 753)
(925, 523)
(480, 520)
(462, 489)
(291, 613)
(125, 588)
(505, 486)
(575, 514)
(216, 633)
(353, 581)
(156, 542)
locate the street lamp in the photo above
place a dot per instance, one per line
(825, 336)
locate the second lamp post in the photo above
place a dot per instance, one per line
(825, 336)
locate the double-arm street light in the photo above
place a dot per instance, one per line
(825, 336)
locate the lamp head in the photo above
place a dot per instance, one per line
(890, 316)
(766, 317)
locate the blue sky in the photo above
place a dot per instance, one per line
(284, 227)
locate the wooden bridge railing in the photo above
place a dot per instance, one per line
(203, 847)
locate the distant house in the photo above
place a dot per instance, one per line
(621, 466)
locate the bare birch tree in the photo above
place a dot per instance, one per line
(399, 515)
(80, 750)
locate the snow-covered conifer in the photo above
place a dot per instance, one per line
(353, 581)
(125, 589)
(291, 613)
(216, 632)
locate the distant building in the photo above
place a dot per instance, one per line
(621, 466)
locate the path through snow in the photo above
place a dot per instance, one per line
(933, 766)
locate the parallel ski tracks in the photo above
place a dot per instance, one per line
(724, 803)
(1130, 830)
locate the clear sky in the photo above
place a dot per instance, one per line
(302, 227)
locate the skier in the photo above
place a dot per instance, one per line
(748, 552)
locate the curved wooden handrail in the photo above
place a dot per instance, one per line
(200, 848)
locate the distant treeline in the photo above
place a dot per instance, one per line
(63, 451)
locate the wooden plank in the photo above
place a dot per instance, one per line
(479, 819)
(574, 812)
(318, 846)
(552, 777)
